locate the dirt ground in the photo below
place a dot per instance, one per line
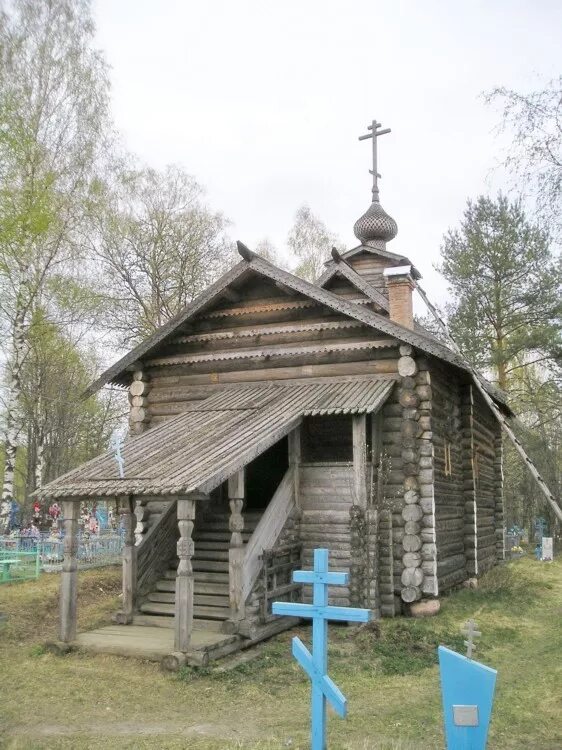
(261, 701)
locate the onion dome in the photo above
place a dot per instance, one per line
(375, 228)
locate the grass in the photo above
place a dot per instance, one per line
(390, 677)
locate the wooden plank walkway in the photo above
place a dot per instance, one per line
(152, 643)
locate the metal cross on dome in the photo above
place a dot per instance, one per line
(374, 134)
(316, 664)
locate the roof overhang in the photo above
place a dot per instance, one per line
(200, 448)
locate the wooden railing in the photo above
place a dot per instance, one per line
(267, 531)
(277, 577)
(156, 548)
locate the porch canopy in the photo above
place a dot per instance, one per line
(215, 437)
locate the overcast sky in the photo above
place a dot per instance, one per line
(263, 102)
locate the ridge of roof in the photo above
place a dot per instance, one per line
(253, 262)
(345, 270)
(376, 251)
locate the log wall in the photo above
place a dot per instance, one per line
(264, 336)
(449, 478)
(486, 444)
(470, 508)
(326, 498)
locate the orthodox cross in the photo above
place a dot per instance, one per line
(116, 442)
(316, 664)
(469, 630)
(374, 134)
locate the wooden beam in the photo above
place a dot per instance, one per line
(284, 288)
(236, 549)
(359, 430)
(129, 563)
(236, 485)
(184, 577)
(295, 459)
(69, 575)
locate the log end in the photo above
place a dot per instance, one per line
(173, 662)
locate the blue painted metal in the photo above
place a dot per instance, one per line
(316, 664)
(466, 683)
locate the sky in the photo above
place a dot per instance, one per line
(263, 102)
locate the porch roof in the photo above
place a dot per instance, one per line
(213, 438)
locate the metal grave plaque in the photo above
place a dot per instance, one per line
(465, 716)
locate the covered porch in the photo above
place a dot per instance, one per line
(182, 467)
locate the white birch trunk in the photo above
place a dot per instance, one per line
(14, 393)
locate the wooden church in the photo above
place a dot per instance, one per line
(273, 416)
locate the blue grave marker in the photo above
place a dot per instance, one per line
(467, 690)
(316, 664)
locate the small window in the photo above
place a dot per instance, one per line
(448, 467)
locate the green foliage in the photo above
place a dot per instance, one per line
(55, 375)
(506, 287)
(159, 246)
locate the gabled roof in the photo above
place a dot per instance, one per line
(399, 259)
(213, 438)
(341, 268)
(253, 263)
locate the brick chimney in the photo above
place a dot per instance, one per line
(400, 285)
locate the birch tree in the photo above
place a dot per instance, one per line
(532, 121)
(158, 246)
(311, 241)
(53, 114)
(62, 428)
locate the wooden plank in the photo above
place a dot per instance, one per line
(359, 432)
(69, 575)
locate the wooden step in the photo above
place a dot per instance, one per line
(210, 566)
(201, 587)
(210, 554)
(210, 587)
(163, 621)
(207, 563)
(211, 613)
(217, 536)
(209, 545)
(205, 600)
(200, 575)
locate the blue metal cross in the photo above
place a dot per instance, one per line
(316, 664)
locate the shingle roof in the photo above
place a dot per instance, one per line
(204, 445)
(255, 264)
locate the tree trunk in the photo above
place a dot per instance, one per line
(14, 393)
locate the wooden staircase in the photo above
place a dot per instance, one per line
(211, 605)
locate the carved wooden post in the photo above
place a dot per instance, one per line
(236, 550)
(359, 427)
(69, 575)
(125, 616)
(184, 577)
